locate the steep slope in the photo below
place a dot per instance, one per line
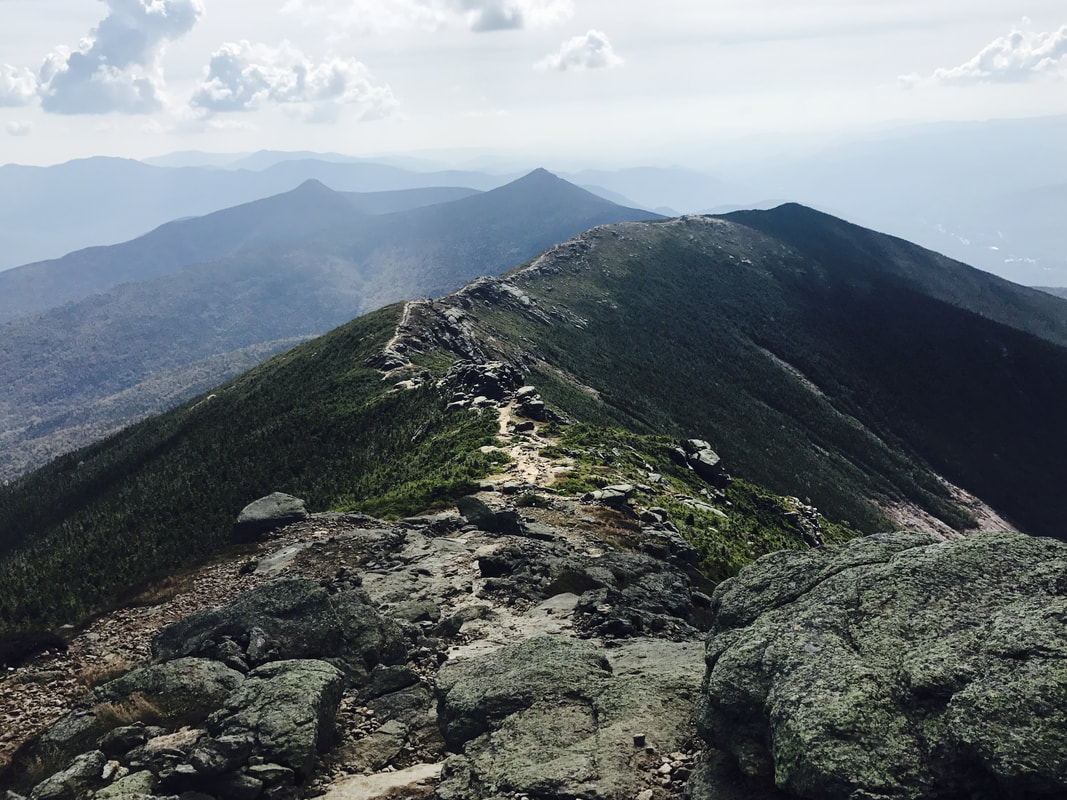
(316, 420)
(310, 207)
(861, 254)
(109, 343)
(325, 422)
(431, 594)
(1056, 291)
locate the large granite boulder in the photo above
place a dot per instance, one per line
(553, 717)
(267, 514)
(288, 708)
(895, 666)
(475, 693)
(289, 618)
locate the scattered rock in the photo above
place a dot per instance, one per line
(72, 783)
(238, 786)
(484, 518)
(122, 740)
(493, 380)
(291, 618)
(704, 461)
(134, 785)
(181, 692)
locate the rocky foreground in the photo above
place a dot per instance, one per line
(536, 646)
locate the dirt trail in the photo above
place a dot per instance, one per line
(524, 449)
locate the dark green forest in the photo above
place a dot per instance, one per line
(315, 422)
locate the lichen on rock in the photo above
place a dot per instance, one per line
(895, 666)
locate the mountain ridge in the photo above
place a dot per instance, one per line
(107, 343)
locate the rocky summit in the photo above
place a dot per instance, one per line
(531, 644)
(523, 643)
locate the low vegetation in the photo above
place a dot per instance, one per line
(729, 527)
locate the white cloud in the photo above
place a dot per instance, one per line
(19, 127)
(18, 86)
(1017, 57)
(477, 15)
(117, 67)
(591, 51)
(244, 76)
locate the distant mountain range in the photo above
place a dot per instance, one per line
(159, 319)
(988, 193)
(275, 220)
(47, 212)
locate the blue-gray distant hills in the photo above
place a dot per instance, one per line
(46, 212)
(200, 300)
(282, 218)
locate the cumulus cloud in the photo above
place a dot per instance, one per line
(19, 127)
(117, 67)
(18, 86)
(244, 76)
(479, 16)
(591, 51)
(1019, 56)
(494, 15)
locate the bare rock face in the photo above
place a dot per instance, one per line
(895, 666)
(289, 618)
(554, 717)
(477, 693)
(288, 708)
(267, 514)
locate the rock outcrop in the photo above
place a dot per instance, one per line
(289, 618)
(180, 692)
(550, 647)
(267, 514)
(556, 717)
(895, 666)
(287, 709)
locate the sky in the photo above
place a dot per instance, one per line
(604, 81)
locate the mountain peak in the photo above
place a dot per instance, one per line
(548, 187)
(314, 185)
(539, 176)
